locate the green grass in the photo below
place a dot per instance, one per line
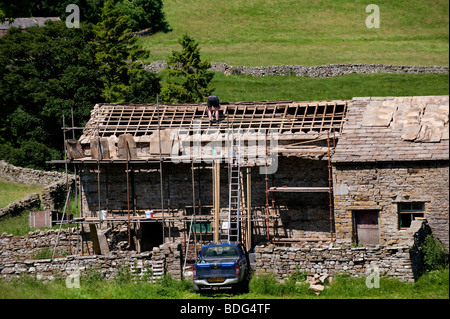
(308, 32)
(432, 285)
(10, 192)
(19, 225)
(15, 225)
(247, 88)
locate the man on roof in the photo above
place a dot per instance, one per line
(213, 102)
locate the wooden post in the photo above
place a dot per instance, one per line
(248, 241)
(216, 204)
(94, 238)
(244, 208)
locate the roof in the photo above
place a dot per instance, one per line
(289, 117)
(27, 22)
(395, 129)
(293, 121)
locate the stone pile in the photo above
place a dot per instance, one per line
(169, 255)
(316, 282)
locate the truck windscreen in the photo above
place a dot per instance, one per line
(220, 251)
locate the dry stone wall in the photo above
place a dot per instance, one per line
(28, 176)
(17, 258)
(284, 261)
(36, 242)
(404, 261)
(312, 71)
(53, 193)
(29, 202)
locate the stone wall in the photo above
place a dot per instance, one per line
(29, 202)
(18, 257)
(284, 261)
(54, 183)
(298, 215)
(400, 261)
(383, 187)
(37, 242)
(312, 71)
(145, 266)
(28, 176)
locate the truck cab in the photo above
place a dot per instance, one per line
(221, 266)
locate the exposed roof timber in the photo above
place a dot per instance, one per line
(287, 117)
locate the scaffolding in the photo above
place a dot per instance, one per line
(298, 126)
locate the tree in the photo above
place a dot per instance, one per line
(143, 13)
(47, 71)
(117, 56)
(186, 75)
(44, 73)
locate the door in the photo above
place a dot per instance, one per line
(366, 227)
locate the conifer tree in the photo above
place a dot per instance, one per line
(187, 76)
(117, 56)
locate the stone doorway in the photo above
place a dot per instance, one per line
(149, 235)
(366, 227)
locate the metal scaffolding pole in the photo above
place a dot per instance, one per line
(330, 188)
(160, 168)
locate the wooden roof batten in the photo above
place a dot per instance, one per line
(140, 119)
(309, 122)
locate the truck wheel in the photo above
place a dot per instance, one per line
(240, 287)
(244, 285)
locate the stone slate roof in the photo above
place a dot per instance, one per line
(378, 129)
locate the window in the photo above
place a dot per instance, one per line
(220, 252)
(408, 212)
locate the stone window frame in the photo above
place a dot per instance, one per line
(413, 208)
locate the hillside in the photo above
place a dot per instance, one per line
(307, 32)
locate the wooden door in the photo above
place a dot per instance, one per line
(366, 226)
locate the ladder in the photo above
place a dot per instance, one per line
(231, 228)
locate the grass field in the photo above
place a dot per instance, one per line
(433, 285)
(307, 32)
(247, 88)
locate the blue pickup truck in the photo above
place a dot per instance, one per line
(221, 266)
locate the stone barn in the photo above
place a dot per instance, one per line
(390, 167)
(169, 175)
(357, 171)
